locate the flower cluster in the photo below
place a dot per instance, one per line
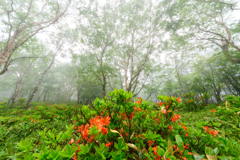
(211, 131)
(139, 100)
(99, 122)
(176, 117)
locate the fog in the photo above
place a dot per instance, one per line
(75, 51)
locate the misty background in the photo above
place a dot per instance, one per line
(74, 51)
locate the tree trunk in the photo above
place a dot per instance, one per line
(104, 86)
(44, 97)
(15, 93)
(39, 82)
(41, 95)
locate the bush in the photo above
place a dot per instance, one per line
(195, 103)
(233, 100)
(114, 128)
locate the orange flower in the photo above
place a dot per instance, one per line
(177, 116)
(170, 128)
(213, 111)
(185, 147)
(178, 99)
(185, 158)
(131, 115)
(36, 107)
(184, 127)
(108, 144)
(174, 119)
(160, 103)
(104, 131)
(155, 150)
(213, 132)
(138, 102)
(205, 128)
(78, 141)
(150, 142)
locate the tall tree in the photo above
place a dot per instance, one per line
(97, 30)
(137, 42)
(23, 19)
(210, 22)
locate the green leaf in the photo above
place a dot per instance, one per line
(68, 151)
(179, 142)
(28, 157)
(2, 153)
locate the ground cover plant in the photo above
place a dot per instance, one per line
(118, 127)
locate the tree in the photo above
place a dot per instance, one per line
(97, 33)
(136, 44)
(213, 22)
(21, 22)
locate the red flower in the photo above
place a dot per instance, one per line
(213, 132)
(187, 135)
(177, 116)
(178, 99)
(205, 128)
(186, 147)
(174, 119)
(160, 103)
(138, 102)
(184, 127)
(213, 111)
(108, 144)
(170, 128)
(131, 115)
(185, 158)
(124, 115)
(158, 158)
(150, 142)
(36, 107)
(78, 141)
(106, 120)
(104, 131)
(155, 150)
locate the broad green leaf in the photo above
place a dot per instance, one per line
(179, 142)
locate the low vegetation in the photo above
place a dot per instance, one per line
(117, 127)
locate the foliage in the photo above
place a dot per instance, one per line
(117, 128)
(194, 103)
(233, 100)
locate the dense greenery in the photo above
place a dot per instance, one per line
(119, 128)
(71, 72)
